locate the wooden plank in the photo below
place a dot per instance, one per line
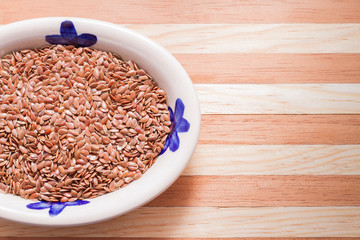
(167, 238)
(279, 98)
(280, 129)
(254, 38)
(204, 222)
(204, 11)
(234, 160)
(261, 191)
(271, 68)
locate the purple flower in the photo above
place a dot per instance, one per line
(55, 207)
(69, 36)
(178, 124)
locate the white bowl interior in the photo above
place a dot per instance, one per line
(165, 70)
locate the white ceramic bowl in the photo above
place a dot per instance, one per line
(170, 76)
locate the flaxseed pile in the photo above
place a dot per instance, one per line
(76, 123)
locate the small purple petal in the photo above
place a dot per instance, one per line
(77, 203)
(56, 208)
(174, 142)
(67, 30)
(55, 39)
(39, 205)
(182, 126)
(179, 110)
(85, 40)
(171, 114)
(166, 145)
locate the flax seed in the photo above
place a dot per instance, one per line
(101, 126)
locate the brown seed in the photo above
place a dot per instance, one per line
(68, 181)
(23, 149)
(81, 162)
(137, 176)
(92, 157)
(81, 143)
(67, 195)
(48, 187)
(84, 152)
(44, 197)
(62, 170)
(34, 167)
(105, 140)
(95, 147)
(130, 73)
(96, 73)
(139, 149)
(29, 191)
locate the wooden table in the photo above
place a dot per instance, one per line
(279, 87)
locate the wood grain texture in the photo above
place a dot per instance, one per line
(254, 38)
(234, 160)
(278, 155)
(168, 238)
(280, 129)
(279, 98)
(265, 68)
(177, 238)
(261, 191)
(205, 222)
(204, 11)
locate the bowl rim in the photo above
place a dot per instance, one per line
(19, 216)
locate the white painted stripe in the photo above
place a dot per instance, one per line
(254, 38)
(275, 160)
(279, 98)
